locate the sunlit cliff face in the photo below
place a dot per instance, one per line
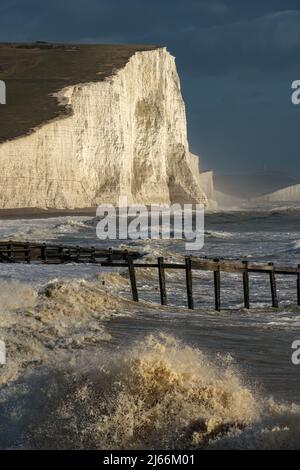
(126, 136)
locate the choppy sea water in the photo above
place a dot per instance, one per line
(88, 368)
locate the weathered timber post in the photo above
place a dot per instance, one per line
(132, 277)
(298, 285)
(93, 252)
(61, 253)
(78, 250)
(10, 250)
(273, 286)
(162, 280)
(217, 286)
(44, 253)
(246, 285)
(27, 253)
(189, 282)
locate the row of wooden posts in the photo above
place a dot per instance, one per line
(19, 252)
(216, 266)
(47, 253)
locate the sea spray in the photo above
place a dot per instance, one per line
(169, 395)
(63, 388)
(161, 394)
(156, 394)
(15, 294)
(65, 315)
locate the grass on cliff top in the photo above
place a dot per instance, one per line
(33, 72)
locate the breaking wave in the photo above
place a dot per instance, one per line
(294, 247)
(64, 315)
(218, 234)
(159, 394)
(170, 395)
(42, 229)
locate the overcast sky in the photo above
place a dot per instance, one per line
(236, 60)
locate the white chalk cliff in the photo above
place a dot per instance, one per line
(126, 135)
(288, 194)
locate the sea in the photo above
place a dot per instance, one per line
(88, 368)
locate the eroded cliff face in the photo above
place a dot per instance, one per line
(125, 136)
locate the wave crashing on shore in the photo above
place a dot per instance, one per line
(163, 394)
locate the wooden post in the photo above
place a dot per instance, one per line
(189, 282)
(162, 281)
(298, 285)
(61, 253)
(132, 277)
(27, 256)
(217, 285)
(93, 254)
(246, 285)
(273, 287)
(44, 253)
(10, 250)
(78, 249)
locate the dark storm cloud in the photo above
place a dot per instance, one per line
(236, 60)
(268, 44)
(77, 19)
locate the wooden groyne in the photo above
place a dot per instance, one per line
(216, 267)
(47, 253)
(20, 252)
